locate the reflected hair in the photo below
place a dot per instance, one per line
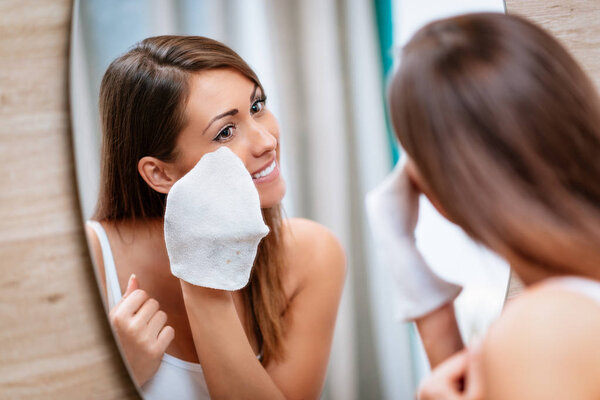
(143, 96)
(504, 127)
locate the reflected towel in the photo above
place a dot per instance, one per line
(213, 223)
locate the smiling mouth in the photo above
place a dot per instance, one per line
(265, 171)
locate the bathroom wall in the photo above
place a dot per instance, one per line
(54, 338)
(576, 23)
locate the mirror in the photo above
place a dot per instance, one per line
(320, 64)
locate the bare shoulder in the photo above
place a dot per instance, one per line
(96, 254)
(312, 250)
(544, 346)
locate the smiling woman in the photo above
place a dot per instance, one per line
(164, 105)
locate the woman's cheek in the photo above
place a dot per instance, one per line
(238, 148)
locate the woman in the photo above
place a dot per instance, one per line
(502, 130)
(164, 104)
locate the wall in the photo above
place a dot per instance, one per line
(55, 341)
(575, 23)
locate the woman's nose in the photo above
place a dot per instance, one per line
(262, 141)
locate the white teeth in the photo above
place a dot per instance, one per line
(265, 171)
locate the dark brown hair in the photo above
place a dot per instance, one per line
(143, 96)
(504, 127)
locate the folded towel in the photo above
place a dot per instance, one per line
(213, 223)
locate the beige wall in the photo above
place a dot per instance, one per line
(54, 339)
(55, 342)
(576, 23)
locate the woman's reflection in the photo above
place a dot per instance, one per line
(164, 104)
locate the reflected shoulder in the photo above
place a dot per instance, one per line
(544, 345)
(96, 254)
(313, 248)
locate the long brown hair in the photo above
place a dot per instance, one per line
(504, 127)
(142, 101)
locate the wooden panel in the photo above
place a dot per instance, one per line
(55, 341)
(575, 23)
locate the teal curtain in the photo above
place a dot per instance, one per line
(385, 30)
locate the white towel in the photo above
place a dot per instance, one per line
(392, 210)
(213, 223)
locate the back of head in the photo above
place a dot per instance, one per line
(504, 127)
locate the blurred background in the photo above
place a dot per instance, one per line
(324, 66)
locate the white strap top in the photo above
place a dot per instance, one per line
(175, 378)
(585, 286)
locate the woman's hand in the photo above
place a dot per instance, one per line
(458, 378)
(140, 327)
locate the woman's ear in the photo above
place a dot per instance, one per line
(158, 174)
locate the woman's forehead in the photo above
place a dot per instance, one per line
(216, 91)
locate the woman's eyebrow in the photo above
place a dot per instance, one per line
(230, 112)
(218, 117)
(252, 96)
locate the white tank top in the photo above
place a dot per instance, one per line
(175, 378)
(586, 286)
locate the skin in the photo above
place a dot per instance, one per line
(457, 378)
(543, 346)
(440, 334)
(546, 345)
(207, 322)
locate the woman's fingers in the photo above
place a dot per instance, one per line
(474, 374)
(165, 337)
(147, 311)
(458, 378)
(132, 284)
(156, 323)
(455, 367)
(131, 304)
(445, 382)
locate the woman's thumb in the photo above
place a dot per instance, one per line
(475, 384)
(132, 284)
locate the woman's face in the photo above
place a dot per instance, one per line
(227, 109)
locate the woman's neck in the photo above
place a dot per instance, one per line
(142, 245)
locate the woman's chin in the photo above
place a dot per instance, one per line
(272, 197)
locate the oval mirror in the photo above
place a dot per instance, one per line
(323, 65)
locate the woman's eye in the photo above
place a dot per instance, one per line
(225, 133)
(258, 105)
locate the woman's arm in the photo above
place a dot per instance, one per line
(544, 346)
(440, 334)
(231, 369)
(138, 322)
(98, 261)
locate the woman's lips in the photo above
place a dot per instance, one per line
(267, 174)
